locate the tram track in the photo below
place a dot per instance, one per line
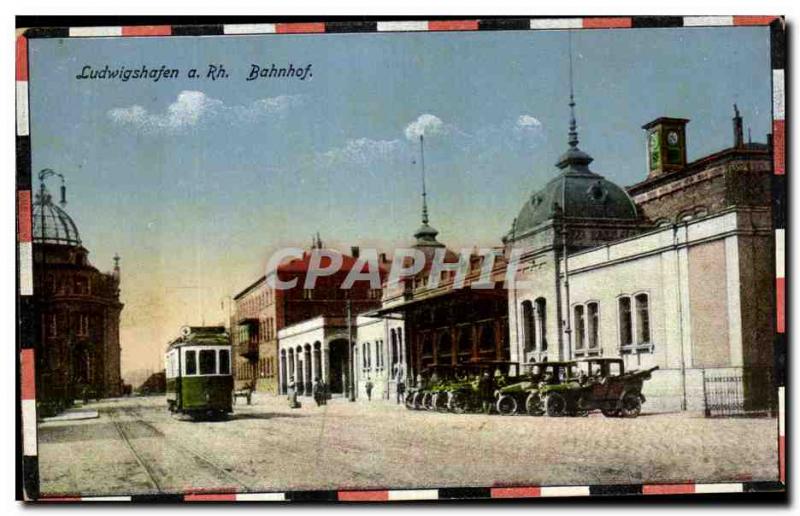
(160, 481)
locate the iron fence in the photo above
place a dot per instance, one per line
(743, 392)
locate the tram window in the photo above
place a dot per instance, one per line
(208, 361)
(224, 362)
(191, 362)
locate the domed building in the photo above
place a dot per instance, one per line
(673, 273)
(78, 352)
(578, 209)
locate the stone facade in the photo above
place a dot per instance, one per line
(78, 349)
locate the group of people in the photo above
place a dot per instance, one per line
(319, 391)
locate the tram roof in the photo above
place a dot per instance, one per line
(200, 340)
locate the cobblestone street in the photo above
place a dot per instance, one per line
(136, 446)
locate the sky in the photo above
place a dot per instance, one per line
(195, 182)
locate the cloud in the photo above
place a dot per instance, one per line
(361, 151)
(424, 125)
(526, 121)
(193, 108)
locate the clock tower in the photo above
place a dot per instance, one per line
(666, 145)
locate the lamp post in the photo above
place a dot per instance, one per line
(350, 365)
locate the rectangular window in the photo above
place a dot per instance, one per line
(224, 361)
(191, 362)
(625, 323)
(208, 361)
(593, 320)
(642, 319)
(580, 328)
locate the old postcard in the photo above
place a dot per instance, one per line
(401, 259)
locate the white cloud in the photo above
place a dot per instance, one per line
(361, 151)
(526, 121)
(193, 108)
(425, 125)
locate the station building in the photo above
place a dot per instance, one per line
(676, 271)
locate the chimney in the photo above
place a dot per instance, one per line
(738, 131)
(354, 251)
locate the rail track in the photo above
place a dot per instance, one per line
(159, 480)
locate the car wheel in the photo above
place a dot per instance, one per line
(506, 405)
(555, 405)
(457, 403)
(417, 403)
(534, 405)
(439, 401)
(409, 400)
(631, 405)
(426, 401)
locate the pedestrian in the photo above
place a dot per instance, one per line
(316, 392)
(401, 386)
(292, 391)
(368, 387)
(486, 390)
(323, 392)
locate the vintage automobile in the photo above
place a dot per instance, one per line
(525, 393)
(601, 383)
(464, 394)
(433, 377)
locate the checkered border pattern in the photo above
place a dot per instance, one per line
(26, 387)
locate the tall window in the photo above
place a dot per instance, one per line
(541, 322)
(83, 325)
(224, 361)
(191, 362)
(208, 361)
(625, 323)
(642, 319)
(580, 328)
(593, 322)
(528, 326)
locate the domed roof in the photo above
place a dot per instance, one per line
(51, 224)
(576, 192)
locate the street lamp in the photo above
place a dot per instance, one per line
(351, 366)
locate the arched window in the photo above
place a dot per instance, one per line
(444, 352)
(593, 324)
(625, 322)
(464, 344)
(580, 329)
(528, 326)
(642, 319)
(541, 322)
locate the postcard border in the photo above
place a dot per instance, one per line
(26, 387)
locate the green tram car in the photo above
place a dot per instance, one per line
(198, 372)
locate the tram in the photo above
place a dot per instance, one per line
(198, 372)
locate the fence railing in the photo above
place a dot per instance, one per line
(743, 392)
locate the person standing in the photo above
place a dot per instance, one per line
(486, 389)
(368, 386)
(316, 391)
(292, 391)
(401, 385)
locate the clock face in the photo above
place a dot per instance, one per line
(672, 138)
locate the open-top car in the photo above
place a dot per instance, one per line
(464, 394)
(524, 394)
(600, 383)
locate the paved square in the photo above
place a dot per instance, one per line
(136, 446)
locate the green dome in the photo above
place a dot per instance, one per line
(581, 193)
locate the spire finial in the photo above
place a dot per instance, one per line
(424, 191)
(573, 125)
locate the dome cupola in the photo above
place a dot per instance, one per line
(51, 224)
